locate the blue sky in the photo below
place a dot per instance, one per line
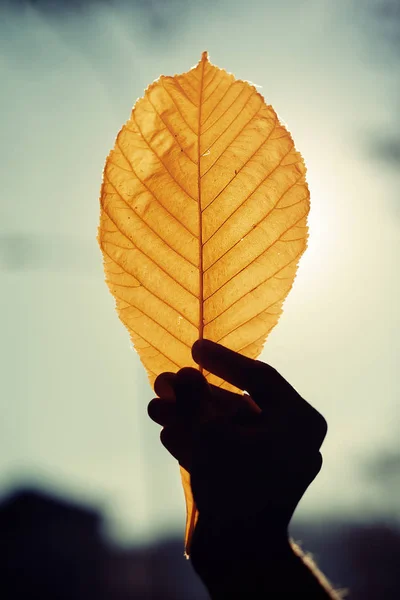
(74, 393)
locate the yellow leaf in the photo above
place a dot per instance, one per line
(204, 206)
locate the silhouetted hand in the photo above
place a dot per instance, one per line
(251, 458)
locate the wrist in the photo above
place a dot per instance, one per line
(218, 545)
(235, 563)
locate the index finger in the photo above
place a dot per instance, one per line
(253, 376)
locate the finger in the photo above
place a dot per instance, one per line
(317, 465)
(225, 403)
(162, 411)
(304, 469)
(251, 375)
(229, 403)
(317, 428)
(163, 385)
(193, 395)
(302, 424)
(322, 430)
(227, 364)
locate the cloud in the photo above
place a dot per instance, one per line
(381, 20)
(157, 15)
(385, 469)
(53, 7)
(386, 149)
(381, 473)
(387, 15)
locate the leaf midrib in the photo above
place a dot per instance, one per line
(201, 283)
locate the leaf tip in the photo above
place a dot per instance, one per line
(204, 56)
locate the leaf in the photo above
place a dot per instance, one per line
(203, 220)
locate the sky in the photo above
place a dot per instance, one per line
(74, 393)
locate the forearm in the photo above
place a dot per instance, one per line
(310, 565)
(278, 577)
(257, 568)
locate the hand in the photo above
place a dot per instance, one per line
(250, 458)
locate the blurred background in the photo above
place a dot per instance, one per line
(88, 495)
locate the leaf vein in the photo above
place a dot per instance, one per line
(190, 85)
(171, 131)
(262, 337)
(147, 225)
(147, 187)
(252, 226)
(214, 90)
(230, 124)
(256, 257)
(145, 255)
(294, 203)
(264, 310)
(130, 305)
(210, 82)
(177, 108)
(242, 167)
(256, 287)
(219, 102)
(143, 285)
(161, 160)
(176, 82)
